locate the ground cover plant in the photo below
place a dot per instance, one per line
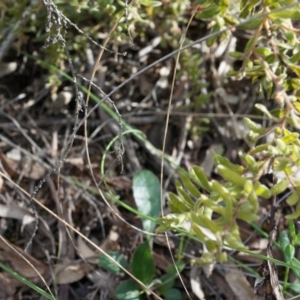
(149, 149)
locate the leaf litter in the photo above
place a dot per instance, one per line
(143, 105)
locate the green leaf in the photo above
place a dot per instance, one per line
(205, 222)
(168, 279)
(186, 198)
(252, 125)
(263, 109)
(231, 20)
(202, 179)
(295, 263)
(150, 3)
(253, 24)
(220, 189)
(234, 243)
(172, 294)
(210, 245)
(253, 200)
(250, 44)
(295, 287)
(142, 263)
(236, 55)
(290, 138)
(296, 214)
(246, 9)
(248, 188)
(247, 217)
(293, 14)
(289, 253)
(264, 51)
(189, 185)
(177, 204)
(292, 230)
(259, 149)
(250, 161)
(297, 240)
(280, 187)
(210, 41)
(262, 191)
(127, 290)
(208, 13)
(228, 209)
(146, 192)
(292, 198)
(221, 160)
(110, 266)
(231, 176)
(285, 246)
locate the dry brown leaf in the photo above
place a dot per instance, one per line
(8, 285)
(196, 282)
(107, 245)
(238, 282)
(1, 183)
(16, 262)
(71, 273)
(86, 252)
(15, 165)
(16, 212)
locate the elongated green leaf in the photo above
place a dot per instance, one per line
(248, 188)
(210, 41)
(259, 148)
(263, 109)
(236, 54)
(297, 239)
(252, 125)
(205, 222)
(186, 198)
(177, 204)
(293, 14)
(221, 160)
(253, 200)
(292, 231)
(231, 176)
(296, 263)
(208, 13)
(264, 51)
(283, 240)
(220, 189)
(262, 191)
(290, 138)
(247, 217)
(189, 185)
(296, 214)
(195, 229)
(280, 187)
(295, 287)
(142, 264)
(151, 3)
(228, 209)
(146, 192)
(254, 24)
(247, 8)
(233, 242)
(292, 198)
(201, 176)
